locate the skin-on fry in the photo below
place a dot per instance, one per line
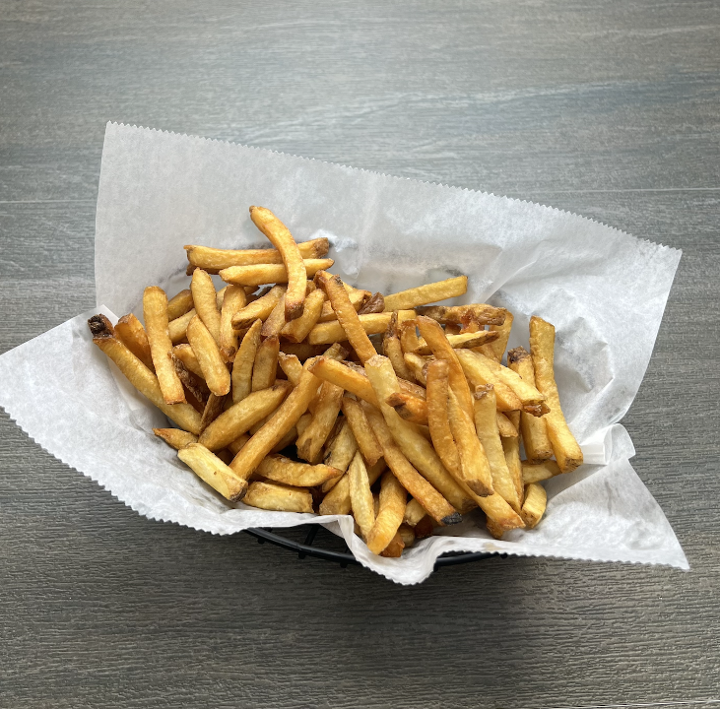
(175, 437)
(214, 260)
(393, 500)
(429, 293)
(361, 498)
(213, 367)
(265, 366)
(374, 304)
(340, 452)
(506, 429)
(242, 370)
(205, 300)
(195, 387)
(534, 473)
(409, 407)
(269, 273)
(258, 309)
(438, 418)
(535, 503)
(465, 341)
(568, 454)
(297, 330)
(234, 300)
(478, 313)
(489, 435)
(349, 379)
(213, 408)
(479, 372)
(281, 238)
(289, 472)
(310, 443)
(432, 501)
(184, 353)
(132, 334)
(337, 500)
(268, 496)
(364, 435)
(392, 349)
(178, 327)
(180, 304)
(208, 467)
(495, 349)
(534, 429)
(155, 313)
(286, 416)
(240, 417)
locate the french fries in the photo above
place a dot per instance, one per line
(283, 401)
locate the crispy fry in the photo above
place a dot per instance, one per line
(155, 312)
(414, 512)
(340, 374)
(329, 332)
(132, 334)
(240, 417)
(233, 301)
(438, 417)
(264, 274)
(302, 351)
(392, 349)
(358, 298)
(417, 365)
(511, 446)
(292, 367)
(175, 437)
(465, 341)
(361, 498)
(177, 328)
(534, 429)
(534, 473)
(265, 366)
(337, 500)
(374, 304)
(258, 309)
(213, 408)
(495, 348)
(477, 313)
(407, 534)
(184, 353)
(395, 548)
(429, 293)
(286, 471)
(297, 330)
(268, 496)
(213, 471)
(242, 370)
(364, 435)
(535, 503)
(393, 499)
(215, 260)
(310, 443)
(180, 304)
(409, 339)
(500, 515)
(478, 371)
(213, 367)
(542, 346)
(205, 300)
(506, 429)
(220, 298)
(340, 452)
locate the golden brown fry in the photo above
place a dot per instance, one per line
(302, 351)
(310, 443)
(175, 437)
(374, 304)
(417, 365)
(465, 341)
(213, 471)
(185, 354)
(205, 300)
(263, 274)
(237, 444)
(213, 408)
(268, 496)
(409, 339)
(535, 503)
(361, 498)
(292, 367)
(393, 349)
(496, 348)
(489, 435)
(429, 293)
(155, 312)
(432, 501)
(233, 301)
(180, 304)
(132, 334)
(357, 297)
(506, 429)
(178, 327)
(337, 500)
(286, 471)
(395, 548)
(286, 416)
(511, 446)
(364, 435)
(425, 527)
(340, 452)
(240, 417)
(275, 321)
(568, 453)
(213, 367)
(214, 260)
(258, 309)
(297, 330)
(438, 417)
(220, 298)
(478, 313)
(534, 429)
(265, 366)
(393, 499)
(478, 371)
(411, 408)
(534, 473)
(414, 512)
(340, 374)
(242, 370)
(407, 534)
(281, 238)
(194, 385)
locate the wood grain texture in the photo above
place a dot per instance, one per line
(610, 110)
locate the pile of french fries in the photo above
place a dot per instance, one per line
(294, 391)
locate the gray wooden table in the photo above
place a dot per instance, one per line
(608, 109)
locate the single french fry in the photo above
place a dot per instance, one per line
(208, 467)
(395, 548)
(534, 429)
(465, 341)
(409, 339)
(568, 453)
(496, 348)
(438, 418)
(393, 349)
(275, 321)
(329, 332)
(478, 371)
(494, 447)
(213, 367)
(185, 354)
(393, 500)
(535, 503)
(534, 473)
(349, 379)
(236, 446)
(357, 297)
(432, 501)
(264, 274)
(234, 300)
(265, 366)
(292, 367)
(132, 334)
(428, 293)
(220, 298)
(155, 313)
(214, 260)
(363, 432)
(416, 448)
(414, 512)
(407, 534)
(177, 328)
(478, 313)
(361, 498)
(286, 416)
(297, 330)
(175, 437)
(417, 365)
(425, 527)
(303, 351)
(506, 429)
(213, 408)
(374, 304)
(205, 300)
(268, 496)
(511, 447)
(340, 452)
(242, 370)
(180, 304)
(411, 408)
(310, 443)
(240, 417)
(499, 514)
(286, 471)
(258, 309)
(337, 500)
